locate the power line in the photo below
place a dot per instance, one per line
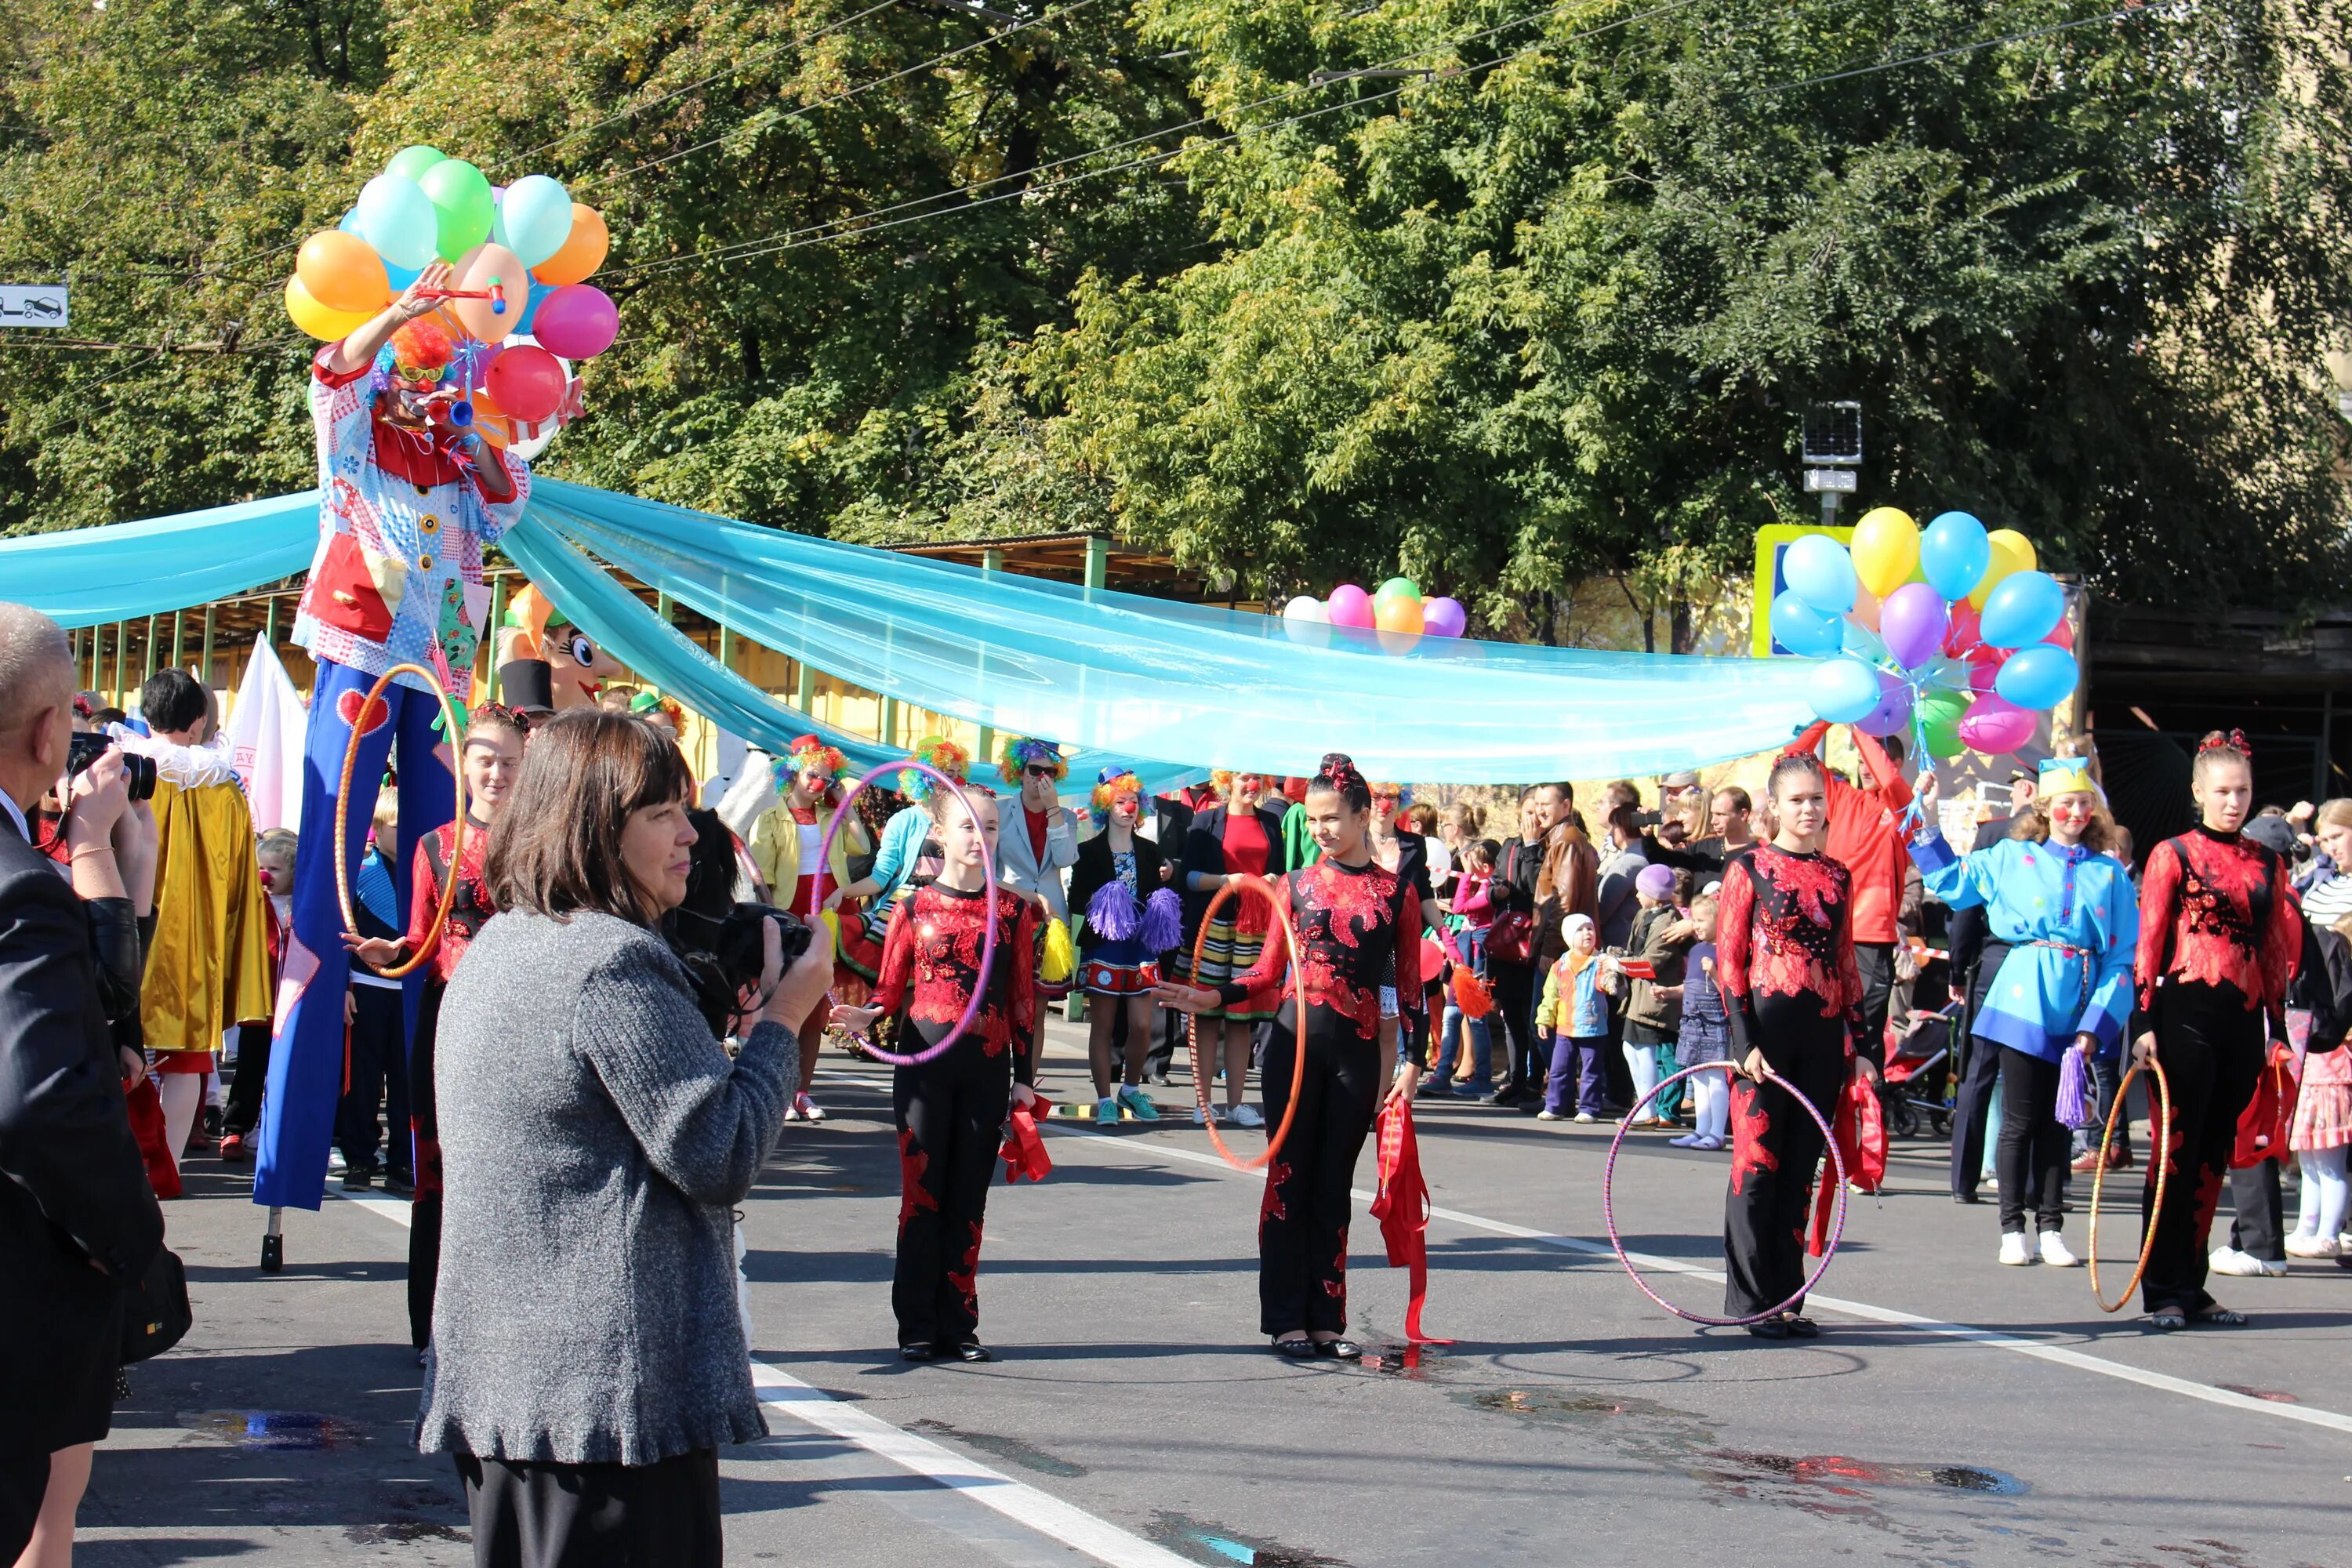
(2136, 7)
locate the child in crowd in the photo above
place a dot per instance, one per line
(2319, 1134)
(275, 853)
(1653, 1003)
(1706, 1031)
(1574, 1017)
(1461, 1036)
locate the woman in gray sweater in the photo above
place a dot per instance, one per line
(587, 1359)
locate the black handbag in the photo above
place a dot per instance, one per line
(155, 1310)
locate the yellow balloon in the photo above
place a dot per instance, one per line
(2011, 553)
(319, 321)
(1885, 547)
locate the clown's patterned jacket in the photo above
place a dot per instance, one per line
(398, 576)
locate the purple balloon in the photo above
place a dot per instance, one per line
(1444, 617)
(1351, 607)
(1894, 709)
(578, 321)
(1913, 621)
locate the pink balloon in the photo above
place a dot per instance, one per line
(578, 321)
(1351, 607)
(1913, 621)
(1444, 617)
(1994, 724)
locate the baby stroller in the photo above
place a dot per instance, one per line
(1917, 1075)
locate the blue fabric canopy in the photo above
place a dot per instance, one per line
(87, 576)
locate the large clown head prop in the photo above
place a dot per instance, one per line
(545, 663)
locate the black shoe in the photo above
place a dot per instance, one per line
(1771, 1328)
(1338, 1349)
(1508, 1095)
(1966, 1198)
(1531, 1105)
(1800, 1327)
(400, 1183)
(1296, 1349)
(2168, 1321)
(912, 1351)
(972, 1351)
(359, 1178)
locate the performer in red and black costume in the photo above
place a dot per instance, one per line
(492, 759)
(951, 1111)
(2220, 931)
(1359, 930)
(1784, 961)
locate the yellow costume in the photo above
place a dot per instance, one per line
(208, 966)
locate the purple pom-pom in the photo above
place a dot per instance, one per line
(1163, 921)
(1111, 911)
(2073, 1100)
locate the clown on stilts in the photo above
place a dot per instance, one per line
(408, 499)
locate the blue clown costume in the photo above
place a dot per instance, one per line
(2065, 923)
(402, 521)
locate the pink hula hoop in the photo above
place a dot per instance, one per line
(988, 938)
(1609, 1207)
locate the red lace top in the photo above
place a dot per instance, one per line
(930, 962)
(1358, 932)
(2216, 908)
(469, 912)
(1784, 928)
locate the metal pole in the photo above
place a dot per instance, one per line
(662, 605)
(269, 626)
(726, 647)
(147, 655)
(491, 636)
(208, 645)
(889, 736)
(1097, 560)
(805, 689)
(992, 563)
(179, 636)
(121, 662)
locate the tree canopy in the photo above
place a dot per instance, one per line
(1499, 294)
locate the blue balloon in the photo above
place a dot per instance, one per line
(351, 224)
(1843, 689)
(401, 277)
(2039, 677)
(1819, 571)
(1954, 554)
(531, 308)
(1801, 628)
(536, 213)
(1863, 643)
(397, 218)
(2023, 608)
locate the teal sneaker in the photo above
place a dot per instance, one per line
(1106, 1112)
(1138, 1104)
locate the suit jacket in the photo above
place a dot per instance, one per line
(1095, 867)
(75, 1190)
(1204, 850)
(1018, 865)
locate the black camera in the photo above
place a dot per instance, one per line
(736, 944)
(83, 748)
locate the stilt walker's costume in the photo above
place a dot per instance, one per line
(404, 517)
(1784, 961)
(1359, 950)
(951, 1111)
(2218, 935)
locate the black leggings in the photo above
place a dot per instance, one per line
(1513, 985)
(2033, 1156)
(2211, 1045)
(950, 1114)
(1302, 1221)
(1774, 1149)
(532, 1514)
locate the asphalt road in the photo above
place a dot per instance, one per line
(1954, 1412)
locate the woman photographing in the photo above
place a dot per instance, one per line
(588, 1358)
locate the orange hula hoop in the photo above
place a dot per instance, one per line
(343, 809)
(1258, 885)
(2160, 1137)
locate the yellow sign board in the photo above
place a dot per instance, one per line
(1772, 542)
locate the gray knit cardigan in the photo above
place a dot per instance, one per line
(594, 1140)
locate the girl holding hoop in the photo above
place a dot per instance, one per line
(1784, 959)
(2219, 933)
(2065, 916)
(1358, 928)
(951, 1111)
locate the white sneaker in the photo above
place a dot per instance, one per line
(2013, 1250)
(1200, 1116)
(2054, 1253)
(792, 1111)
(2244, 1265)
(1246, 1116)
(1547, 1116)
(2302, 1245)
(1584, 1116)
(809, 1109)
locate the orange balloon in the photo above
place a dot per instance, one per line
(583, 250)
(342, 272)
(490, 420)
(479, 269)
(1866, 608)
(1398, 613)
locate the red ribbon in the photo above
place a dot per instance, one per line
(1025, 1147)
(1860, 1125)
(1403, 1208)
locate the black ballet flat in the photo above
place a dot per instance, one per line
(1338, 1349)
(1800, 1327)
(1296, 1349)
(2169, 1321)
(972, 1351)
(912, 1351)
(1771, 1328)
(2220, 1318)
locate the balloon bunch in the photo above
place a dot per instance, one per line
(1950, 631)
(518, 302)
(1397, 612)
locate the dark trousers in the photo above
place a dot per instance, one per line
(950, 1114)
(424, 1212)
(2106, 1077)
(2211, 1048)
(1302, 1220)
(2033, 1156)
(1513, 985)
(532, 1515)
(379, 1081)
(1875, 959)
(1775, 1147)
(1577, 1070)
(1616, 1072)
(243, 1113)
(2258, 1224)
(1978, 1069)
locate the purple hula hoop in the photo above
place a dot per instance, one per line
(988, 939)
(1609, 1207)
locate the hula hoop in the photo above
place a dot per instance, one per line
(343, 809)
(1609, 1207)
(1299, 1006)
(2160, 1134)
(988, 939)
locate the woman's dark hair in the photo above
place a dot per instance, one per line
(1792, 763)
(172, 701)
(1338, 776)
(1625, 823)
(557, 847)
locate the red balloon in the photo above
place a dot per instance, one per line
(1963, 632)
(2063, 636)
(527, 381)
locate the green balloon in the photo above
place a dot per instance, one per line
(1939, 716)
(410, 163)
(1398, 586)
(461, 200)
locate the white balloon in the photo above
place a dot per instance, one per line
(1306, 607)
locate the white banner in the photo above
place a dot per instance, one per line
(266, 732)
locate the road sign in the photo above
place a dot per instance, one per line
(1835, 481)
(32, 304)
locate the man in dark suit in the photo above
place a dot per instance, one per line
(78, 1221)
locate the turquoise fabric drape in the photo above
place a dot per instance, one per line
(124, 571)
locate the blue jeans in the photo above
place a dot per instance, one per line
(1585, 1062)
(1482, 1037)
